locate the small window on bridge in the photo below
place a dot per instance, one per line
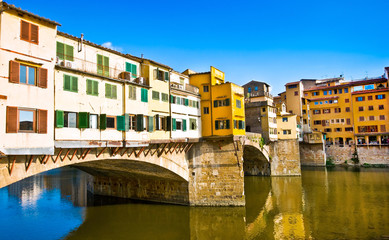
(111, 123)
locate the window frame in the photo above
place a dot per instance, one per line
(29, 32)
(114, 122)
(34, 120)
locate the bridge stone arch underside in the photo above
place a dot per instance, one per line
(255, 161)
(157, 172)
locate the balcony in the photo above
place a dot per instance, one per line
(260, 94)
(101, 70)
(186, 87)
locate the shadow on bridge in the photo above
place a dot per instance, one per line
(256, 158)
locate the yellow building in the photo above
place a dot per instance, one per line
(222, 103)
(286, 125)
(349, 112)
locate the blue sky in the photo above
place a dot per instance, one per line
(271, 41)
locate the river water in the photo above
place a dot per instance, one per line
(323, 203)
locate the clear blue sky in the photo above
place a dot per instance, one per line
(271, 41)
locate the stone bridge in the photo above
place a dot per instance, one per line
(206, 172)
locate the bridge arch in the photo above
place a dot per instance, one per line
(255, 162)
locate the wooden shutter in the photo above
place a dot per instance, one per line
(139, 122)
(42, 77)
(227, 102)
(83, 120)
(74, 84)
(89, 86)
(216, 124)
(34, 33)
(157, 122)
(151, 124)
(227, 124)
(25, 31)
(186, 102)
(103, 121)
(12, 119)
(215, 103)
(59, 119)
(60, 50)
(95, 88)
(166, 76)
(14, 72)
(128, 67)
(107, 90)
(171, 99)
(174, 124)
(66, 82)
(106, 66)
(69, 52)
(168, 123)
(114, 92)
(42, 121)
(133, 70)
(127, 122)
(144, 95)
(99, 64)
(120, 123)
(184, 125)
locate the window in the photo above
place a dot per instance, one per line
(363, 129)
(287, 132)
(347, 109)
(222, 124)
(369, 97)
(317, 122)
(132, 92)
(102, 65)
(346, 90)
(178, 125)
(371, 108)
(383, 128)
(155, 95)
(263, 109)
(316, 103)
(360, 109)
(346, 100)
(70, 120)
(337, 110)
(161, 75)
(296, 93)
(335, 91)
(111, 122)
(360, 99)
(284, 119)
(27, 74)
(238, 103)
(316, 112)
(357, 88)
(316, 93)
(326, 111)
(164, 97)
(330, 92)
(65, 52)
(361, 118)
(132, 69)
(338, 129)
(304, 111)
(371, 118)
(292, 86)
(221, 103)
(380, 107)
(324, 92)
(369, 87)
(340, 91)
(206, 110)
(192, 124)
(132, 122)
(349, 129)
(348, 121)
(380, 96)
(327, 130)
(178, 100)
(205, 88)
(382, 117)
(26, 120)
(110, 92)
(29, 32)
(92, 87)
(249, 90)
(93, 121)
(256, 88)
(144, 95)
(70, 83)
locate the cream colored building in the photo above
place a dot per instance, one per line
(286, 124)
(27, 57)
(185, 107)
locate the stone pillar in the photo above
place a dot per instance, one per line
(285, 159)
(216, 175)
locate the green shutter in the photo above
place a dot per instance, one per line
(99, 64)
(157, 122)
(151, 124)
(103, 121)
(240, 124)
(174, 124)
(228, 124)
(215, 103)
(95, 88)
(114, 92)
(126, 122)
(69, 52)
(171, 99)
(83, 120)
(243, 126)
(120, 123)
(133, 70)
(197, 104)
(227, 102)
(89, 86)
(184, 125)
(128, 67)
(59, 119)
(60, 50)
(66, 82)
(144, 96)
(106, 66)
(216, 125)
(139, 122)
(108, 90)
(166, 76)
(186, 102)
(168, 123)
(74, 84)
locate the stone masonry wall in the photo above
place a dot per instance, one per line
(312, 154)
(216, 174)
(339, 154)
(366, 154)
(285, 158)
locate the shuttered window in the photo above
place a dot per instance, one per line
(26, 74)
(103, 121)
(144, 95)
(139, 122)
(42, 121)
(155, 95)
(83, 120)
(151, 124)
(102, 65)
(132, 92)
(110, 91)
(165, 97)
(111, 122)
(42, 77)
(192, 124)
(12, 119)
(121, 123)
(184, 125)
(70, 83)
(65, 52)
(26, 120)
(174, 124)
(92, 87)
(186, 102)
(29, 32)
(59, 119)
(132, 69)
